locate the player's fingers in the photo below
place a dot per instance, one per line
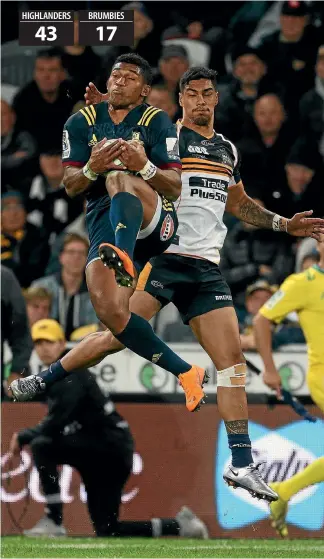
(316, 236)
(302, 215)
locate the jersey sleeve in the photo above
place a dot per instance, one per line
(291, 296)
(236, 176)
(164, 151)
(75, 149)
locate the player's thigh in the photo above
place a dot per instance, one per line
(144, 304)
(123, 182)
(218, 333)
(315, 381)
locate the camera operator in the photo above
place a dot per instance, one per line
(83, 429)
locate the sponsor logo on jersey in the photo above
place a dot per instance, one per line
(198, 149)
(172, 145)
(167, 228)
(66, 146)
(214, 195)
(208, 183)
(207, 143)
(223, 297)
(225, 158)
(276, 297)
(283, 452)
(157, 284)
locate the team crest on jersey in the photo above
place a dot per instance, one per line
(167, 228)
(66, 146)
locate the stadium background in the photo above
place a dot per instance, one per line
(220, 32)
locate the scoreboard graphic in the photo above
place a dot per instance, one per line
(66, 27)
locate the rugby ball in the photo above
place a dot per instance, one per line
(116, 161)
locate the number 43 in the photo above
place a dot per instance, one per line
(41, 33)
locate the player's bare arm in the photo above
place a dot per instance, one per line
(101, 160)
(246, 209)
(263, 339)
(166, 182)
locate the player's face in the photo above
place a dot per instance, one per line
(198, 100)
(126, 86)
(49, 352)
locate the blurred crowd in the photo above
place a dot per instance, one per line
(270, 62)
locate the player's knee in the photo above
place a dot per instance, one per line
(232, 377)
(115, 317)
(118, 182)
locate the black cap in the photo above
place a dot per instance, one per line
(294, 8)
(170, 51)
(242, 50)
(304, 153)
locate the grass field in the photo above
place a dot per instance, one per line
(166, 548)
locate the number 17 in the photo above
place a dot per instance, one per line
(113, 30)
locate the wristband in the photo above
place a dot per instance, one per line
(148, 171)
(88, 173)
(276, 222)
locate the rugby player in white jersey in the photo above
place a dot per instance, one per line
(188, 274)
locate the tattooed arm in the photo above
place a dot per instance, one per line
(246, 209)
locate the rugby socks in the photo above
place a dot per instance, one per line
(241, 449)
(54, 373)
(314, 473)
(126, 216)
(54, 511)
(140, 338)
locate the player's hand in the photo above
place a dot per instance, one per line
(14, 446)
(134, 156)
(273, 380)
(300, 225)
(102, 158)
(93, 96)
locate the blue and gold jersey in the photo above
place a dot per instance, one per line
(91, 124)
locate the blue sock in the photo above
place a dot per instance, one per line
(126, 216)
(140, 338)
(54, 373)
(241, 450)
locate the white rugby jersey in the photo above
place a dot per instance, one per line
(209, 167)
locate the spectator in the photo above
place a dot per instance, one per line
(146, 43)
(14, 329)
(24, 247)
(82, 65)
(304, 248)
(257, 294)
(172, 64)
(290, 53)
(236, 98)
(250, 254)
(77, 226)
(43, 106)
(48, 205)
(164, 99)
(303, 187)
(311, 107)
(71, 305)
(83, 429)
(265, 145)
(18, 150)
(38, 304)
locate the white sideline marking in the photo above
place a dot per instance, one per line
(188, 547)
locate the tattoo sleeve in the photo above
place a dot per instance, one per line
(251, 212)
(237, 427)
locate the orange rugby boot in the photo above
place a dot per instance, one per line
(119, 261)
(192, 382)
